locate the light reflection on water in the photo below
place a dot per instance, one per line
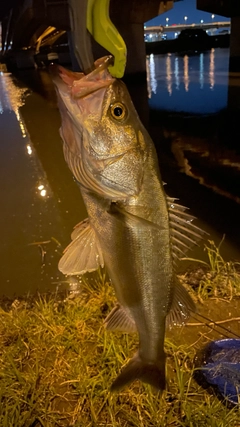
(203, 82)
(195, 113)
(190, 83)
(12, 99)
(40, 203)
(33, 224)
(11, 96)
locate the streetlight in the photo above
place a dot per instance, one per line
(185, 19)
(167, 19)
(201, 21)
(213, 16)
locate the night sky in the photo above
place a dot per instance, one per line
(185, 8)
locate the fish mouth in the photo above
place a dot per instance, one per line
(79, 85)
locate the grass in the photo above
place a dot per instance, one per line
(57, 363)
(218, 278)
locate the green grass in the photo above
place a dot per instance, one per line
(218, 278)
(57, 363)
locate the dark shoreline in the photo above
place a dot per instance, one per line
(187, 45)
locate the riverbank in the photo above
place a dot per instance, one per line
(186, 45)
(57, 362)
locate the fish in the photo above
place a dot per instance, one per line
(133, 228)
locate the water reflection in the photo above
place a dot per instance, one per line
(201, 71)
(186, 75)
(194, 113)
(42, 190)
(176, 72)
(12, 97)
(191, 83)
(214, 167)
(199, 83)
(151, 81)
(29, 149)
(169, 74)
(33, 213)
(212, 69)
(40, 202)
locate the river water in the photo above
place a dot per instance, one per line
(196, 83)
(40, 202)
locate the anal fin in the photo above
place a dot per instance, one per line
(119, 319)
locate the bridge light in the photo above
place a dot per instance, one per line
(185, 19)
(213, 16)
(201, 21)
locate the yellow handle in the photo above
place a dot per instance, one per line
(106, 34)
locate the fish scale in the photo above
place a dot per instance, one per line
(133, 228)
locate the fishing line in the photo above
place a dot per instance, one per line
(211, 327)
(216, 326)
(219, 326)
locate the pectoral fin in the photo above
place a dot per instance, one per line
(78, 229)
(84, 252)
(132, 219)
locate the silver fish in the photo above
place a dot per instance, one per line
(133, 228)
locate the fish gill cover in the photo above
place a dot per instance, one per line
(133, 228)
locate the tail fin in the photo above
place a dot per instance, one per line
(138, 369)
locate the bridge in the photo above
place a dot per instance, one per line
(25, 22)
(179, 27)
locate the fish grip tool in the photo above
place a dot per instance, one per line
(92, 16)
(106, 34)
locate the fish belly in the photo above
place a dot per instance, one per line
(138, 260)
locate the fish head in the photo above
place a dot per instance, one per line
(104, 141)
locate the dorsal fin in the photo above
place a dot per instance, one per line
(84, 252)
(184, 234)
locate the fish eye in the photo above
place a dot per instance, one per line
(118, 111)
